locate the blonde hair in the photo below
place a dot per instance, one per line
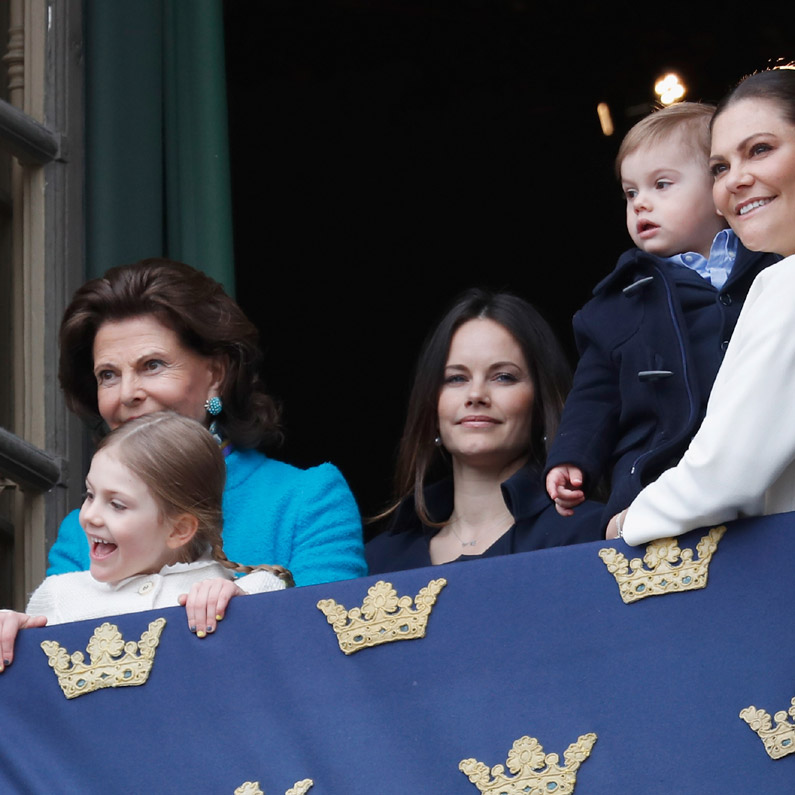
(689, 120)
(183, 467)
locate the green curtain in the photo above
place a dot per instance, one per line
(157, 149)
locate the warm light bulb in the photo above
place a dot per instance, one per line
(669, 89)
(605, 118)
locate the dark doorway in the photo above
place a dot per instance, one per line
(387, 155)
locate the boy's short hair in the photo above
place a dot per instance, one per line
(688, 119)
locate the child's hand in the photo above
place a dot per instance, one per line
(10, 623)
(206, 603)
(564, 486)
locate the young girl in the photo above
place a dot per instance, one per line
(152, 520)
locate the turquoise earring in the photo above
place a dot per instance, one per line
(214, 406)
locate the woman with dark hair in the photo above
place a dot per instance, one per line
(488, 391)
(160, 335)
(742, 460)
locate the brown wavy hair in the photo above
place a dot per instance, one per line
(419, 459)
(183, 467)
(205, 319)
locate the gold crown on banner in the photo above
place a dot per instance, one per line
(383, 617)
(669, 569)
(778, 741)
(535, 773)
(252, 788)
(114, 663)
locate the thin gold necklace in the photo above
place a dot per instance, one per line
(464, 543)
(474, 541)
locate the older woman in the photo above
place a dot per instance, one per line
(487, 396)
(742, 460)
(161, 335)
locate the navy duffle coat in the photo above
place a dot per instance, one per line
(638, 393)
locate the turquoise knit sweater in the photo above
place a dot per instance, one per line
(303, 519)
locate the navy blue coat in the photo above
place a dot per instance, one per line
(641, 387)
(405, 544)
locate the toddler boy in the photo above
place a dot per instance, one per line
(653, 336)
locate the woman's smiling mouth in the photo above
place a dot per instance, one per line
(746, 208)
(477, 421)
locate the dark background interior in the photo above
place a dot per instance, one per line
(387, 155)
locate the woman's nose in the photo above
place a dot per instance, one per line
(129, 389)
(478, 394)
(738, 177)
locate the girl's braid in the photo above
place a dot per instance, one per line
(218, 554)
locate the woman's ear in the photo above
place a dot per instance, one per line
(183, 528)
(218, 368)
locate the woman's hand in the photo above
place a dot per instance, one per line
(10, 623)
(206, 604)
(614, 525)
(564, 486)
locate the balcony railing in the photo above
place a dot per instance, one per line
(26, 465)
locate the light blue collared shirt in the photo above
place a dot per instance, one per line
(718, 267)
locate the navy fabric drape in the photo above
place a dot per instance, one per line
(535, 644)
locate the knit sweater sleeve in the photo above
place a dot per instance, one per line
(43, 602)
(328, 543)
(303, 519)
(747, 438)
(260, 582)
(70, 550)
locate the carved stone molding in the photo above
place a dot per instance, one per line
(14, 58)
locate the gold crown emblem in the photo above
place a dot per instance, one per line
(383, 617)
(779, 741)
(535, 773)
(108, 667)
(252, 788)
(669, 568)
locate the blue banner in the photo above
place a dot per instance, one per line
(538, 645)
